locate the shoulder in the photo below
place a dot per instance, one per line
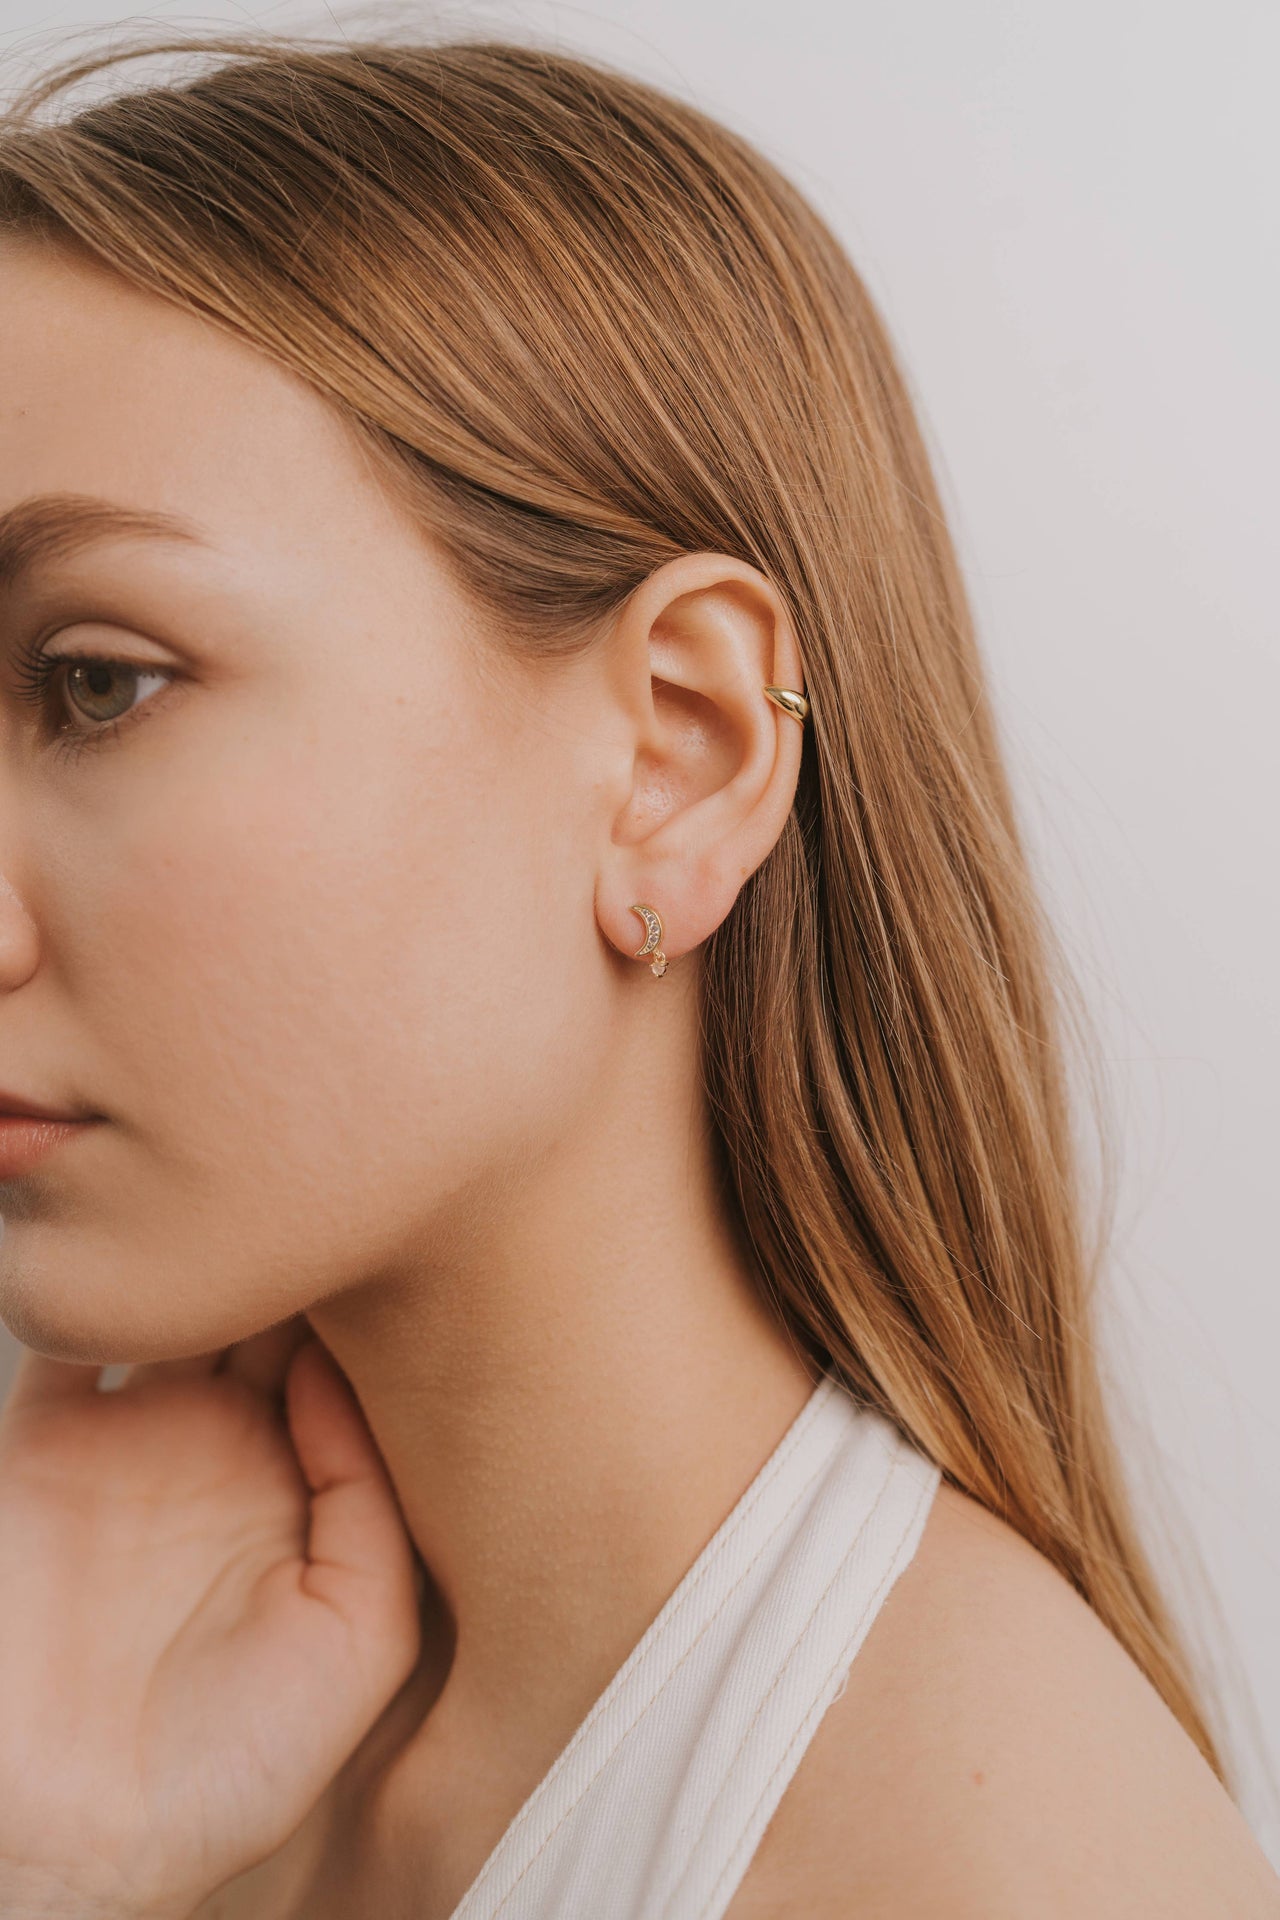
(995, 1753)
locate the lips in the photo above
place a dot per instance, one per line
(25, 1141)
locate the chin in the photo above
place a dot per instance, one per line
(49, 1307)
(50, 1336)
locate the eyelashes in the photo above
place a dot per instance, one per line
(35, 672)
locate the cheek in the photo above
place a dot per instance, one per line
(348, 951)
(322, 1010)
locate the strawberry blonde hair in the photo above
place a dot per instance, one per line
(584, 328)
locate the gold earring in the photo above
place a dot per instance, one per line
(790, 702)
(653, 940)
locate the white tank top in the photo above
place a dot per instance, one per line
(655, 1807)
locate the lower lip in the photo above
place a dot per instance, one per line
(24, 1142)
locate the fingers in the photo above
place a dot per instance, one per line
(263, 1361)
(358, 1542)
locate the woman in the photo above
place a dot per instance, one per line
(514, 919)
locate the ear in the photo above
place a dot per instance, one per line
(713, 763)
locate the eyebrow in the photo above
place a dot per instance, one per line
(53, 526)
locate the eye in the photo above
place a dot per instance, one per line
(95, 692)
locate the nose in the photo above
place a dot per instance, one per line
(18, 938)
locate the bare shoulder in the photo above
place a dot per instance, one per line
(997, 1753)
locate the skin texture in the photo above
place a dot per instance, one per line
(336, 939)
(997, 1755)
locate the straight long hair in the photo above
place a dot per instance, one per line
(584, 328)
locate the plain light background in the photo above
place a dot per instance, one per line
(1067, 214)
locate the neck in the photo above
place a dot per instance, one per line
(569, 1407)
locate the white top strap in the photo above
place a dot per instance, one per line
(654, 1808)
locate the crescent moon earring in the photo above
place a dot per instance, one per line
(653, 940)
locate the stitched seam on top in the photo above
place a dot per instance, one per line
(629, 1729)
(712, 1553)
(842, 1657)
(781, 1672)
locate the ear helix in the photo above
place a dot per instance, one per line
(788, 701)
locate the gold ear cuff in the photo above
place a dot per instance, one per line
(789, 701)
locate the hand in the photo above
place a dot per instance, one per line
(207, 1597)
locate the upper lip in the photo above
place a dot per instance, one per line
(31, 1109)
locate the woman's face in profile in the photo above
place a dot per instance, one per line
(299, 926)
